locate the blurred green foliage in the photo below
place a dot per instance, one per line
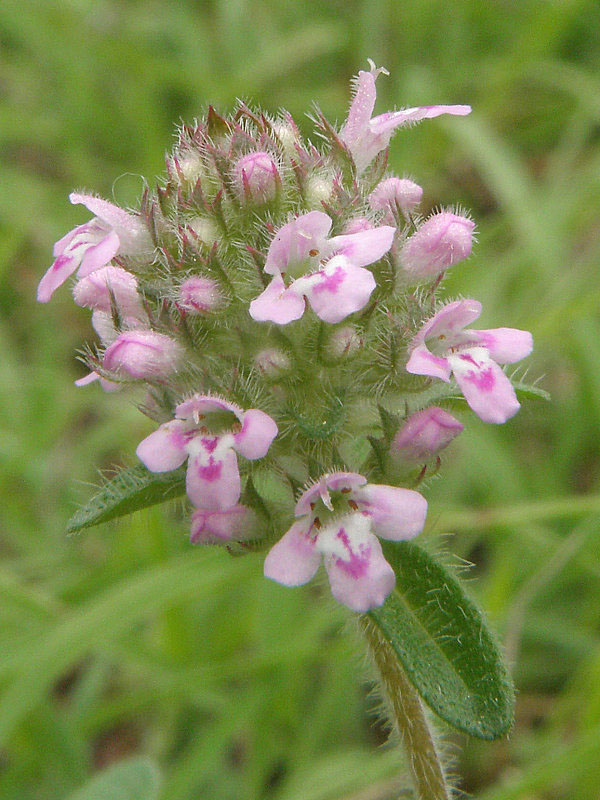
(126, 640)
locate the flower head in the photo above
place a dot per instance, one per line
(142, 355)
(92, 245)
(338, 518)
(395, 193)
(441, 241)
(365, 135)
(425, 434)
(209, 431)
(327, 271)
(443, 347)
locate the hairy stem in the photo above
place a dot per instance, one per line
(408, 715)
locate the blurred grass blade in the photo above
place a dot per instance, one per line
(132, 779)
(130, 490)
(444, 645)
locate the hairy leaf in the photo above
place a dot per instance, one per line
(130, 490)
(442, 641)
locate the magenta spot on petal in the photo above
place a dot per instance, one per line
(331, 283)
(356, 565)
(212, 471)
(210, 444)
(484, 380)
(469, 359)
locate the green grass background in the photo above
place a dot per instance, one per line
(127, 641)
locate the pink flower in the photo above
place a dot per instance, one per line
(199, 295)
(395, 193)
(365, 135)
(440, 242)
(209, 431)
(337, 520)
(142, 355)
(217, 527)
(328, 272)
(97, 291)
(93, 244)
(442, 347)
(425, 434)
(257, 177)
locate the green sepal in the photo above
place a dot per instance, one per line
(129, 490)
(526, 391)
(389, 422)
(444, 645)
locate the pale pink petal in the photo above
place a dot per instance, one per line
(97, 290)
(258, 431)
(338, 481)
(213, 527)
(396, 514)
(143, 354)
(364, 247)
(294, 242)
(63, 244)
(484, 385)
(422, 362)
(449, 320)
(294, 560)
(391, 120)
(277, 304)
(87, 379)
(200, 404)
(425, 434)
(107, 386)
(114, 216)
(359, 575)
(213, 482)
(98, 255)
(505, 345)
(166, 448)
(362, 106)
(62, 268)
(339, 289)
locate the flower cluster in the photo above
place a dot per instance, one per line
(271, 298)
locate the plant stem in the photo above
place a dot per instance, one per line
(409, 717)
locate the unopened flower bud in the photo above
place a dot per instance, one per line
(425, 434)
(219, 527)
(199, 295)
(257, 177)
(272, 363)
(98, 289)
(358, 225)
(288, 136)
(440, 242)
(344, 342)
(395, 193)
(204, 230)
(189, 166)
(318, 189)
(142, 355)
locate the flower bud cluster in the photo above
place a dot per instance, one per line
(269, 296)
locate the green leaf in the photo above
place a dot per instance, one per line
(132, 779)
(130, 490)
(527, 391)
(447, 651)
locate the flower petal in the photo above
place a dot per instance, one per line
(62, 268)
(258, 431)
(361, 107)
(505, 345)
(295, 240)
(364, 247)
(391, 120)
(422, 362)
(396, 514)
(359, 575)
(213, 479)
(98, 255)
(484, 385)
(197, 405)
(114, 216)
(449, 320)
(294, 560)
(212, 527)
(339, 289)
(166, 448)
(277, 304)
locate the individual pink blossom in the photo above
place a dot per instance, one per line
(142, 355)
(337, 520)
(98, 290)
(257, 177)
(442, 347)
(199, 434)
(365, 135)
(395, 193)
(425, 434)
(217, 527)
(93, 244)
(199, 295)
(441, 241)
(328, 272)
